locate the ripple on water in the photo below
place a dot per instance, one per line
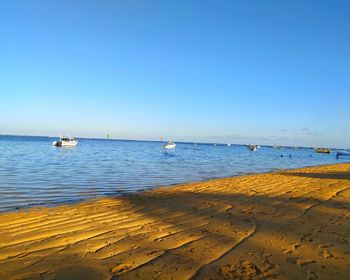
(34, 173)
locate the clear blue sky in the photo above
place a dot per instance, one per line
(268, 72)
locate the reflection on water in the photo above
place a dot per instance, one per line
(33, 172)
(169, 152)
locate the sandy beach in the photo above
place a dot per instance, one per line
(291, 224)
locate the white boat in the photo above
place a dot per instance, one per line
(228, 145)
(169, 145)
(252, 147)
(66, 141)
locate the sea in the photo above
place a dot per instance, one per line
(35, 173)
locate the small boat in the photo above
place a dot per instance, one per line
(252, 147)
(323, 150)
(228, 145)
(66, 141)
(169, 145)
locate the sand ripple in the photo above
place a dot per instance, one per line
(284, 225)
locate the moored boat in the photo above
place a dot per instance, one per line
(66, 141)
(252, 148)
(323, 150)
(169, 145)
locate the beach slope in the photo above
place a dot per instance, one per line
(286, 225)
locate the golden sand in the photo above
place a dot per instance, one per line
(285, 225)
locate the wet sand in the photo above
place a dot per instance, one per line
(286, 225)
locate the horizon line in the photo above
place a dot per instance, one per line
(184, 142)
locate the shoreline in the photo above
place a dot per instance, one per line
(281, 224)
(87, 200)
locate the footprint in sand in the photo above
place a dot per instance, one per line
(247, 268)
(292, 260)
(311, 275)
(291, 248)
(300, 262)
(244, 270)
(306, 237)
(326, 254)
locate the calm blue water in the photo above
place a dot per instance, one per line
(33, 172)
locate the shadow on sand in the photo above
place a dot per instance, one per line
(222, 229)
(328, 175)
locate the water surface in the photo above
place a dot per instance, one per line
(33, 172)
